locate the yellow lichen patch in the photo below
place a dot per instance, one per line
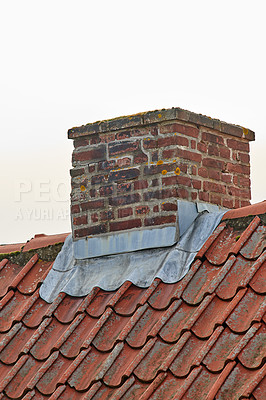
(174, 160)
(159, 115)
(177, 171)
(164, 172)
(245, 131)
(82, 188)
(160, 162)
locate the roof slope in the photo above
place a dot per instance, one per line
(200, 338)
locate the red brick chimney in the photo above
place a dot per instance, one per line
(129, 172)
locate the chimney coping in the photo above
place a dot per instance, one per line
(157, 116)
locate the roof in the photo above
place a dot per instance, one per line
(158, 116)
(200, 338)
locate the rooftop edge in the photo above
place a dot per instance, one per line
(152, 117)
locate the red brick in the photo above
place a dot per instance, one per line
(156, 209)
(214, 174)
(215, 199)
(107, 138)
(125, 212)
(82, 220)
(125, 146)
(196, 184)
(173, 140)
(138, 185)
(211, 137)
(237, 192)
(94, 139)
(99, 153)
(239, 169)
(169, 207)
(202, 147)
(150, 143)
(176, 179)
(193, 144)
(123, 200)
(227, 203)
(81, 142)
(194, 196)
(92, 168)
(213, 187)
(93, 192)
(94, 217)
(140, 210)
(204, 196)
(244, 158)
(213, 151)
(183, 193)
(91, 230)
(178, 128)
(107, 215)
(203, 172)
(97, 179)
(92, 205)
(238, 145)
(225, 153)
(75, 209)
(227, 178)
(140, 158)
(123, 225)
(160, 220)
(213, 163)
(186, 154)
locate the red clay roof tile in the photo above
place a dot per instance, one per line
(200, 338)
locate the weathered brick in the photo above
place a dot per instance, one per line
(123, 225)
(211, 137)
(106, 215)
(125, 146)
(196, 183)
(214, 174)
(227, 178)
(123, 135)
(238, 145)
(176, 180)
(94, 217)
(227, 203)
(123, 175)
(244, 158)
(124, 187)
(193, 144)
(156, 209)
(159, 194)
(125, 212)
(239, 192)
(81, 142)
(123, 162)
(90, 230)
(76, 172)
(239, 169)
(183, 193)
(178, 128)
(139, 185)
(92, 205)
(75, 209)
(82, 220)
(107, 190)
(98, 179)
(213, 150)
(213, 163)
(225, 152)
(160, 220)
(106, 165)
(186, 154)
(139, 158)
(123, 200)
(204, 196)
(169, 207)
(98, 153)
(215, 199)
(202, 147)
(173, 141)
(244, 203)
(140, 210)
(214, 187)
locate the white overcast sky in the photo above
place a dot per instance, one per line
(67, 63)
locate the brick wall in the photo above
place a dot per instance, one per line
(129, 172)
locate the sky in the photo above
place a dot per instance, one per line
(68, 63)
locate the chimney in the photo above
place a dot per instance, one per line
(130, 172)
